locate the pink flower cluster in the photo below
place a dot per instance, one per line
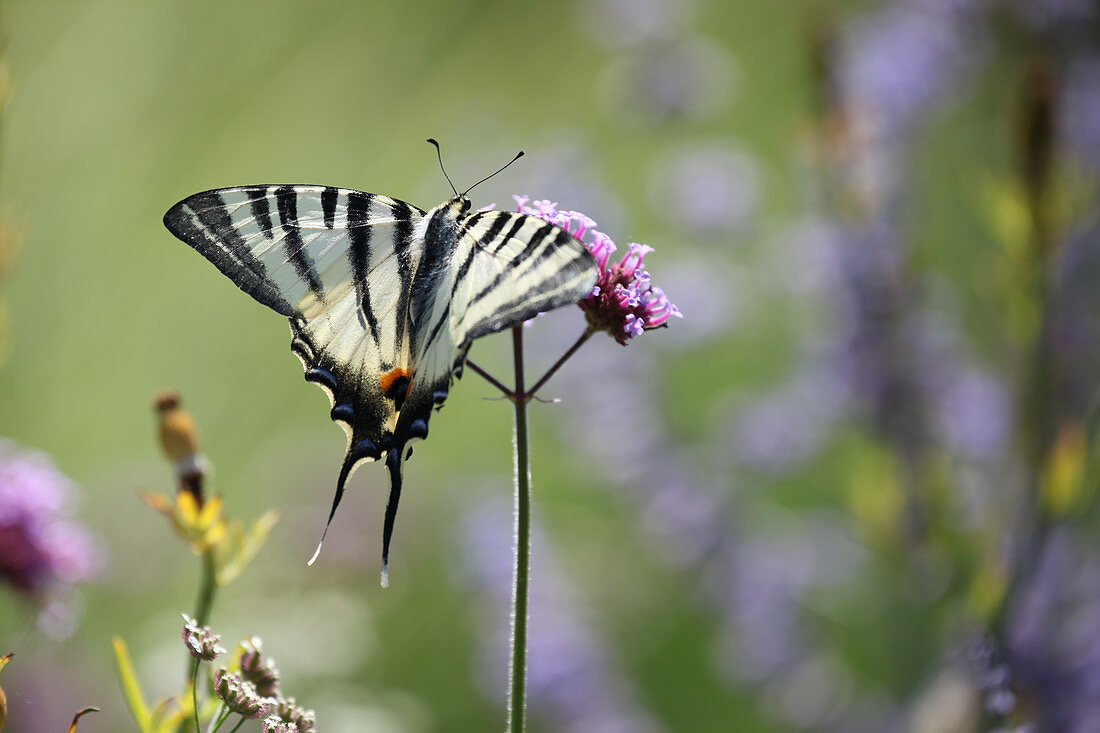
(624, 303)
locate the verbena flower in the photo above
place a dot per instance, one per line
(257, 669)
(625, 303)
(238, 694)
(201, 642)
(42, 551)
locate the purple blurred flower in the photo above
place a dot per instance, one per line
(974, 411)
(668, 81)
(570, 678)
(630, 22)
(902, 59)
(624, 302)
(1053, 634)
(708, 189)
(42, 551)
(1044, 15)
(1080, 111)
(1074, 324)
(785, 426)
(711, 295)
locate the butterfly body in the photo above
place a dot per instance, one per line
(383, 298)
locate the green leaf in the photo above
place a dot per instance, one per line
(131, 688)
(247, 545)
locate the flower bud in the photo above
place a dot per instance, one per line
(200, 641)
(257, 669)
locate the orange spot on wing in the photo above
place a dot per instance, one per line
(395, 380)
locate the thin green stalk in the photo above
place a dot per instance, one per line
(206, 590)
(565, 357)
(517, 692)
(202, 615)
(219, 717)
(489, 378)
(238, 725)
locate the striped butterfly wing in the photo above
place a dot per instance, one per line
(510, 267)
(504, 268)
(338, 263)
(383, 299)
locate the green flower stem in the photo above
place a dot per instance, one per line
(202, 616)
(520, 396)
(517, 692)
(206, 590)
(565, 357)
(238, 725)
(489, 378)
(219, 717)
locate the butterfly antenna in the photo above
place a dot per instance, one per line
(486, 178)
(439, 155)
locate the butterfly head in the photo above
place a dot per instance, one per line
(459, 204)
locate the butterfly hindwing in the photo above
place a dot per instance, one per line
(510, 267)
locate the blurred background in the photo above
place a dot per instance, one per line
(852, 490)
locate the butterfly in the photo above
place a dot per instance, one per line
(384, 298)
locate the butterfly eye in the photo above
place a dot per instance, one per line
(465, 204)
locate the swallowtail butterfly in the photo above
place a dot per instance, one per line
(383, 298)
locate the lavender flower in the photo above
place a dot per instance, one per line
(632, 22)
(1045, 15)
(710, 189)
(624, 302)
(200, 641)
(1080, 111)
(570, 677)
(689, 78)
(902, 60)
(1052, 640)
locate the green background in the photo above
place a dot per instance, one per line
(122, 108)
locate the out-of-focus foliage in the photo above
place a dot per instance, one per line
(852, 490)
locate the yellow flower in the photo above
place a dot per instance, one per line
(202, 526)
(206, 530)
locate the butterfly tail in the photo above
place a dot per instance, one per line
(393, 463)
(345, 473)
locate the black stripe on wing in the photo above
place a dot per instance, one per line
(282, 244)
(511, 268)
(203, 222)
(287, 199)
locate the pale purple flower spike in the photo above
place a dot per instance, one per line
(623, 303)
